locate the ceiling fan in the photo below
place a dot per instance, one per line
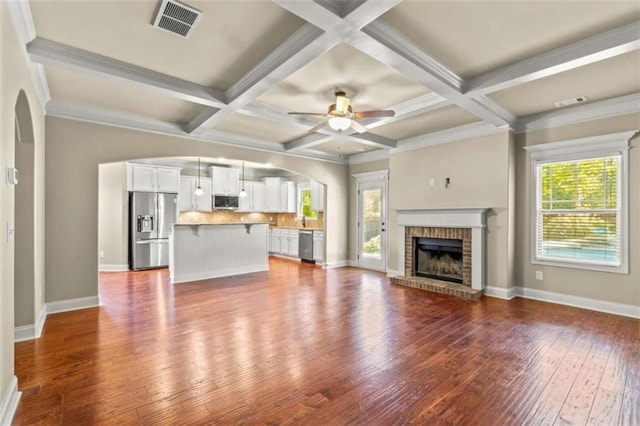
(341, 116)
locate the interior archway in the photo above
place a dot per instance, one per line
(24, 262)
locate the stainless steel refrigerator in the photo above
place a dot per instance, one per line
(151, 216)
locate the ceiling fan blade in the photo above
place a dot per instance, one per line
(318, 127)
(365, 114)
(314, 114)
(358, 127)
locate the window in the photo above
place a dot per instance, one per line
(579, 207)
(304, 204)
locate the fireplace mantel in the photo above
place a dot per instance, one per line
(470, 218)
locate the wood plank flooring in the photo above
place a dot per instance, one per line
(301, 345)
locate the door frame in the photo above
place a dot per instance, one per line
(378, 176)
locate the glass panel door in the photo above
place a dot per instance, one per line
(372, 225)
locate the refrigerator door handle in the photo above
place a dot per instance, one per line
(142, 242)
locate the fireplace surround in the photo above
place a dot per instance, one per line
(466, 224)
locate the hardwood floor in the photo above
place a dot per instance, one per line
(302, 345)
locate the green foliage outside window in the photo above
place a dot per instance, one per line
(305, 203)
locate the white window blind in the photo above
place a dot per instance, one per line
(578, 211)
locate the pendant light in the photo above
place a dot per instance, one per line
(242, 193)
(198, 192)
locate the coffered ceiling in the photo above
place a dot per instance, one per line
(446, 68)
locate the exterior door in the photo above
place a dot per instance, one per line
(372, 222)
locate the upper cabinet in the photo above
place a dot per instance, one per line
(288, 196)
(146, 178)
(226, 181)
(317, 196)
(273, 193)
(188, 201)
(255, 201)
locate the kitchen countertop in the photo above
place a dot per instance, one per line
(296, 227)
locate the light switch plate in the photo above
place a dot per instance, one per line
(11, 232)
(12, 175)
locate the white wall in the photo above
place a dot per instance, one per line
(112, 216)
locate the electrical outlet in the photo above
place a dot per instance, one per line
(101, 254)
(432, 182)
(11, 232)
(539, 275)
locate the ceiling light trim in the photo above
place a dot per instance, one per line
(59, 55)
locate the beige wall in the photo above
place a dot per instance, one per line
(75, 149)
(618, 288)
(479, 170)
(14, 76)
(112, 214)
(353, 200)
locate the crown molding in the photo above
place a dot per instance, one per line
(368, 157)
(601, 46)
(453, 134)
(580, 113)
(26, 32)
(307, 141)
(90, 114)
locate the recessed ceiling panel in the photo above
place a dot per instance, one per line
(230, 39)
(343, 147)
(368, 83)
(473, 37)
(259, 128)
(83, 89)
(429, 122)
(606, 79)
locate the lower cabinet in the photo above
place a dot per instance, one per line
(318, 246)
(283, 242)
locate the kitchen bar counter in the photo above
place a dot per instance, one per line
(199, 251)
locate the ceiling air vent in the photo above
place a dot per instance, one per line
(177, 18)
(571, 101)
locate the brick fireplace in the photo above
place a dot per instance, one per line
(441, 226)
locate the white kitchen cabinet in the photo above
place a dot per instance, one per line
(226, 181)
(272, 193)
(318, 246)
(275, 245)
(293, 243)
(288, 196)
(188, 201)
(255, 199)
(317, 196)
(146, 178)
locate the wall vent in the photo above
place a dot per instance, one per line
(572, 101)
(177, 18)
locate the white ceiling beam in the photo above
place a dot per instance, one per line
(307, 141)
(298, 50)
(370, 139)
(385, 44)
(51, 53)
(368, 12)
(622, 105)
(584, 52)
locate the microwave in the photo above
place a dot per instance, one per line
(227, 202)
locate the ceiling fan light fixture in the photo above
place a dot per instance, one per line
(342, 102)
(339, 123)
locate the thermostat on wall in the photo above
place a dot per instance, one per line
(12, 175)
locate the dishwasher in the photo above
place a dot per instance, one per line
(305, 246)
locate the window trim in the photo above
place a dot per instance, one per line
(575, 150)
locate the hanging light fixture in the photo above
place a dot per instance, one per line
(198, 192)
(242, 193)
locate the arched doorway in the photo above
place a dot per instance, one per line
(24, 264)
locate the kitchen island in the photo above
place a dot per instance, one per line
(203, 251)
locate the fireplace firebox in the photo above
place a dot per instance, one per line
(439, 258)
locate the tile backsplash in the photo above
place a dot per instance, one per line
(275, 219)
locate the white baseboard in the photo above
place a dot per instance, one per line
(337, 264)
(353, 263)
(113, 268)
(10, 402)
(73, 304)
(393, 273)
(622, 309)
(500, 293)
(30, 331)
